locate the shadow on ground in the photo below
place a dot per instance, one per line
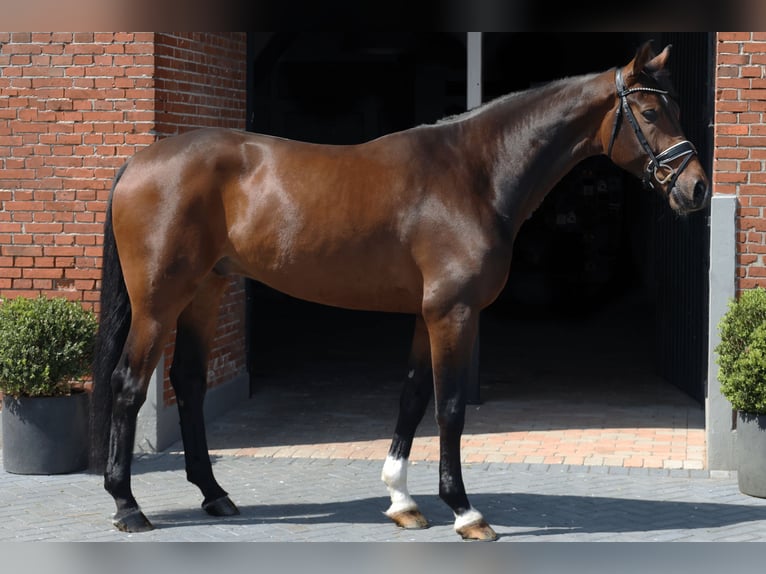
(526, 514)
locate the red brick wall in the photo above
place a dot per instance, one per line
(200, 81)
(73, 108)
(740, 145)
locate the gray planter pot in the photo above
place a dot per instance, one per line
(45, 435)
(751, 454)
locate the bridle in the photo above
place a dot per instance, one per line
(659, 164)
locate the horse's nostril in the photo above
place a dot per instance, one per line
(700, 193)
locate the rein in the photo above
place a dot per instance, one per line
(657, 163)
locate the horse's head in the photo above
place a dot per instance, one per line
(645, 136)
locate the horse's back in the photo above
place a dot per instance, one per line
(321, 222)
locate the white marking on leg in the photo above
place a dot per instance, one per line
(395, 476)
(411, 374)
(470, 516)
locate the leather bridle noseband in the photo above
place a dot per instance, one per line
(657, 163)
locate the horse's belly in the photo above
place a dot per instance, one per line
(374, 277)
(350, 285)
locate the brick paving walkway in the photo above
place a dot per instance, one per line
(657, 427)
(576, 390)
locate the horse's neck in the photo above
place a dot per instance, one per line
(543, 134)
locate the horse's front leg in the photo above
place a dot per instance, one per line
(453, 334)
(414, 399)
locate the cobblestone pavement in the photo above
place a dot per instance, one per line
(564, 450)
(301, 470)
(336, 500)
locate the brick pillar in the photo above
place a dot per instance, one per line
(200, 81)
(737, 223)
(73, 108)
(740, 146)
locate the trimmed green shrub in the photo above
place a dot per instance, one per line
(742, 352)
(46, 344)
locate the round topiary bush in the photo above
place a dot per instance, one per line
(742, 352)
(46, 344)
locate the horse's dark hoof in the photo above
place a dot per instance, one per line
(134, 521)
(221, 507)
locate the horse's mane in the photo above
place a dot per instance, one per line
(661, 77)
(518, 94)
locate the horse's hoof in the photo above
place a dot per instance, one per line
(221, 507)
(409, 519)
(134, 521)
(477, 531)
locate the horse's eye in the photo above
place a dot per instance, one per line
(650, 115)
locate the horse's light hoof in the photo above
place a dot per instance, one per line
(477, 531)
(221, 507)
(134, 521)
(409, 519)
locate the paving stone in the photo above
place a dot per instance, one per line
(342, 500)
(329, 496)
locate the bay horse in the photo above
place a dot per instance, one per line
(420, 222)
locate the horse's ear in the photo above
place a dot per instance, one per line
(647, 61)
(658, 62)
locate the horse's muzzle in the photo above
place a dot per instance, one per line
(686, 202)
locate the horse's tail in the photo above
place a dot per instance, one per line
(114, 324)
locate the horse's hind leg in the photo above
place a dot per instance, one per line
(129, 382)
(414, 399)
(149, 330)
(188, 375)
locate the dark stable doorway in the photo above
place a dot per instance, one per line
(596, 243)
